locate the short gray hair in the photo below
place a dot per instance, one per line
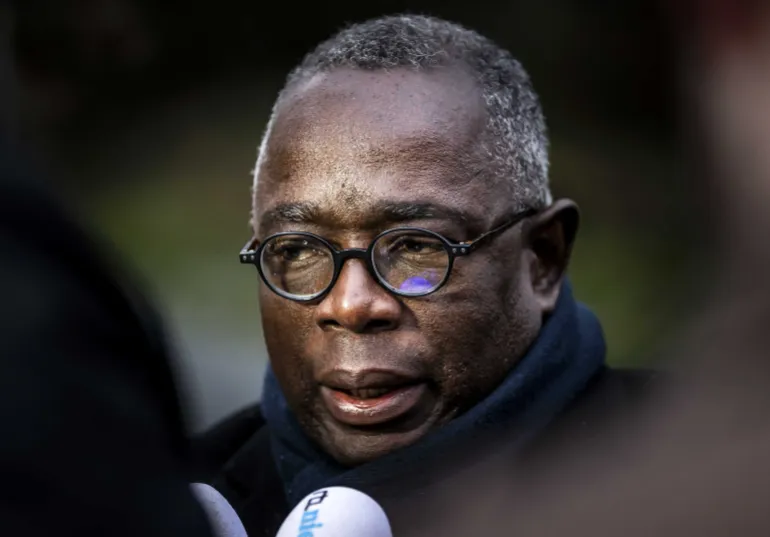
(516, 143)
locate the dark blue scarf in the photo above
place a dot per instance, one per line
(568, 352)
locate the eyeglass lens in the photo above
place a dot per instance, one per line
(410, 263)
(297, 265)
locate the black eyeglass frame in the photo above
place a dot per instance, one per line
(251, 256)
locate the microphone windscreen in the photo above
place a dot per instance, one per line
(221, 515)
(336, 512)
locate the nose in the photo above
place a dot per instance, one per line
(357, 303)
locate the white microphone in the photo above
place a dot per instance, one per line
(224, 521)
(336, 512)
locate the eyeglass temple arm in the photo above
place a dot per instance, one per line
(250, 245)
(468, 247)
(464, 248)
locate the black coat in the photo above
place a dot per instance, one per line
(93, 442)
(235, 455)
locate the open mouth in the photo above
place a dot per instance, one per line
(376, 402)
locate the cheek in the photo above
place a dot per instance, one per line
(464, 349)
(480, 328)
(459, 324)
(285, 322)
(284, 325)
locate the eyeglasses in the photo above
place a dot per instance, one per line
(407, 261)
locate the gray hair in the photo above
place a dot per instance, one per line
(516, 145)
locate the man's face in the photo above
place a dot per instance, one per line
(366, 371)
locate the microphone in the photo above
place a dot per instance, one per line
(224, 521)
(336, 512)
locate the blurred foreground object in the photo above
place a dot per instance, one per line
(93, 440)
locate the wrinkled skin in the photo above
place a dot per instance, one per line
(344, 144)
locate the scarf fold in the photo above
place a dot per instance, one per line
(567, 353)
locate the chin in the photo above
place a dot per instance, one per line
(355, 446)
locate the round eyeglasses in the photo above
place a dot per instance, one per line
(407, 261)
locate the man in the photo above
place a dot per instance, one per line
(93, 440)
(414, 299)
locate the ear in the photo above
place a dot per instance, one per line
(550, 236)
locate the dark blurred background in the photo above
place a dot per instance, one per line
(147, 115)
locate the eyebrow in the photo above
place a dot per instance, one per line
(385, 211)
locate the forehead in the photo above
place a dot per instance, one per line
(349, 139)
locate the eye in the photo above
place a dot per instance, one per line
(411, 244)
(294, 250)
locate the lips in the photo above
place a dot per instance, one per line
(370, 397)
